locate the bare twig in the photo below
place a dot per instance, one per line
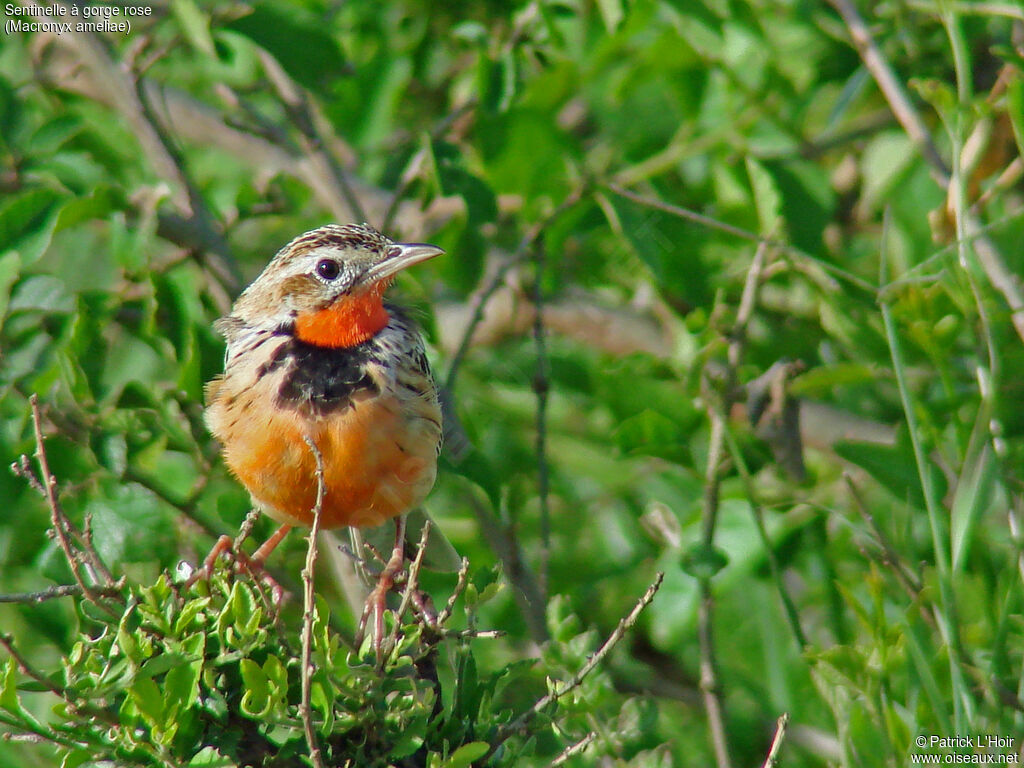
(460, 586)
(411, 585)
(892, 89)
(574, 749)
(58, 519)
(772, 759)
(624, 625)
(540, 388)
(58, 590)
(313, 142)
(718, 407)
(309, 610)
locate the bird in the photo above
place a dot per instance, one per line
(324, 375)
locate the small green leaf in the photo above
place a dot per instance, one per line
(9, 689)
(464, 756)
(306, 50)
(195, 24)
(703, 562)
(10, 267)
(256, 701)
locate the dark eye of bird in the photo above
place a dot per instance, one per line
(328, 269)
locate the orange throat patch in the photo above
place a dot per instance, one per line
(349, 321)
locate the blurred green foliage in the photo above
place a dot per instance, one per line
(145, 178)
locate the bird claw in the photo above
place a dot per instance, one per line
(252, 565)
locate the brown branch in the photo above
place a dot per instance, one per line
(26, 669)
(309, 609)
(51, 593)
(558, 691)
(772, 759)
(62, 526)
(574, 749)
(540, 388)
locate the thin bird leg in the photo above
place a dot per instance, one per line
(253, 565)
(260, 555)
(376, 601)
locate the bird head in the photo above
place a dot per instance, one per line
(327, 285)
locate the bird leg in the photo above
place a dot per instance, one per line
(376, 601)
(253, 565)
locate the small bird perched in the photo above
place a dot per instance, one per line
(315, 355)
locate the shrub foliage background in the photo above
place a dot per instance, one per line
(610, 181)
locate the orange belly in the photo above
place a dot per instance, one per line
(377, 464)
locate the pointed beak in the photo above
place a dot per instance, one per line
(400, 256)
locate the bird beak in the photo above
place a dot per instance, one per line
(399, 256)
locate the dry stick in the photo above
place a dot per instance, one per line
(309, 606)
(314, 145)
(460, 586)
(780, 733)
(1002, 279)
(708, 672)
(59, 590)
(712, 483)
(57, 517)
(574, 749)
(411, 585)
(624, 625)
(540, 388)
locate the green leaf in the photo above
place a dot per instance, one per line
(42, 293)
(195, 24)
(464, 756)
(303, 47)
(650, 433)
(27, 222)
(9, 689)
(893, 466)
(256, 700)
(10, 267)
(703, 562)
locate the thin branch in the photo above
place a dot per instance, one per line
(309, 609)
(58, 519)
(991, 261)
(892, 89)
(772, 759)
(460, 586)
(540, 388)
(624, 625)
(314, 145)
(26, 669)
(411, 586)
(574, 749)
(56, 591)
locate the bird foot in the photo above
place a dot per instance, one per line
(252, 565)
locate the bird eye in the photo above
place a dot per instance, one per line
(328, 269)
